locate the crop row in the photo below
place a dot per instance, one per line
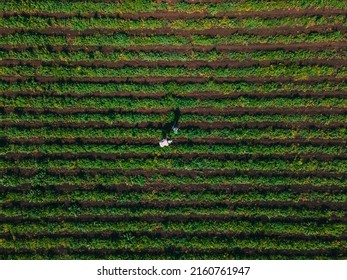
(183, 125)
(210, 6)
(224, 49)
(192, 135)
(133, 117)
(159, 187)
(193, 173)
(122, 56)
(81, 23)
(192, 64)
(155, 42)
(203, 69)
(43, 178)
(242, 105)
(175, 15)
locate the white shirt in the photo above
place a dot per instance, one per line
(164, 143)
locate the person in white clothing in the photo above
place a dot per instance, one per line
(165, 142)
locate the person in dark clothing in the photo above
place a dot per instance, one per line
(167, 129)
(172, 125)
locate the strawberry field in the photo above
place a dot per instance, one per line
(258, 169)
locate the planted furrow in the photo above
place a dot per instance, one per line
(179, 80)
(169, 204)
(161, 218)
(263, 32)
(176, 251)
(174, 15)
(184, 125)
(193, 64)
(114, 234)
(314, 46)
(203, 95)
(154, 141)
(28, 172)
(237, 111)
(186, 188)
(219, 156)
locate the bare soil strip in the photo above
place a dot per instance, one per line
(314, 46)
(151, 80)
(28, 172)
(204, 95)
(174, 15)
(176, 251)
(237, 111)
(178, 218)
(184, 125)
(170, 204)
(187, 156)
(159, 233)
(212, 32)
(186, 188)
(193, 64)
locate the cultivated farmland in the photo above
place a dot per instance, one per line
(258, 167)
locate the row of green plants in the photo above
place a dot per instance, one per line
(122, 40)
(237, 149)
(46, 55)
(167, 102)
(76, 23)
(162, 118)
(129, 6)
(43, 179)
(299, 72)
(180, 163)
(100, 196)
(181, 89)
(333, 227)
(191, 133)
(145, 242)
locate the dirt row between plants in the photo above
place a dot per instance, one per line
(237, 111)
(176, 251)
(187, 49)
(180, 140)
(186, 188)
(175, 15)
(163, 234)
(203, 95)
(193, 173)
(192, 64)
(174, 218)
(173, 204)
(14, 156)
(212, 32)
(183, 125)
(152, 80)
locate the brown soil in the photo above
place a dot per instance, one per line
(212, 32)
(183, 125)
(194, 95)
(170, 204)
(315, 46)
(173, 15)
(180, 140)
(162, 218)
(186, 188)
(193, 64)
(185, 156)
(237, 111)
(159, 233)
(180, 80)
(28, 172)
